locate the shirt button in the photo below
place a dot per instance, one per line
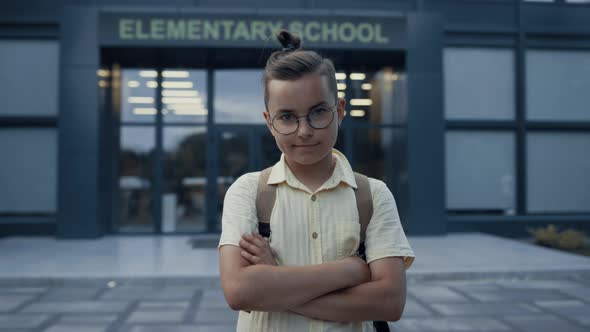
(313, 198)
(314, 235)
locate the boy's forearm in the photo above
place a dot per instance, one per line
(279, 288)
(375, 300)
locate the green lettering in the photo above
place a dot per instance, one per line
(176, 29)
(258, 30)
(227, 25)
(347, 32)
(241, 32)
(297, 27)
(194, 30)
(157, 29)
(140, 34)
(126, 28)
(378, 37)
(211, 30)
(312, 35)
(274, 27)
(365, 32)
(329, 31)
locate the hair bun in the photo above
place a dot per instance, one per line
(290, 41)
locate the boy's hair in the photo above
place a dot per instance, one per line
(292, 63)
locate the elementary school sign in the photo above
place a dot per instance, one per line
(118, 29)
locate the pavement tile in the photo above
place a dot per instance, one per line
(216, 328)
(216, 316)
(149, 293)
(583, 320)
(70, 294)
(15, 321)
(166, 305)
(156, 316)
(538, 284)
(437, 294)
(582, 293)
(10, 302)
(413, 308)
(449, 324)
(183, 328)
(76, 328)
(541, 323)
(22, 290)
(76, 307)
(491, 308)
(520, 295)
(566, 308)
(213, 300)
(84, 318)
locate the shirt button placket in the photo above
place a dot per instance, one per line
(315, 227)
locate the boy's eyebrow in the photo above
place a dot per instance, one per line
(293, 111)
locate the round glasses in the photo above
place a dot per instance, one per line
(320, 117)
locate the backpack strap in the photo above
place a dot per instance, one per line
(364, 202)
(265, 201)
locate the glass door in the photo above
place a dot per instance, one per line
(162, 151)
(242, 149)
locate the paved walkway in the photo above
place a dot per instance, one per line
(467, 282)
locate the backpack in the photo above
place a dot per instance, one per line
(265, 200)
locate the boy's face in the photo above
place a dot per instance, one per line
(306, 146)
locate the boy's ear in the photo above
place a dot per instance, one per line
(267, 120)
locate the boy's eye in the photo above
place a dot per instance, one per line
(319, 111)
(286, 117)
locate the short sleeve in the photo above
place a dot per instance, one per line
(385, 236)
(239, 210)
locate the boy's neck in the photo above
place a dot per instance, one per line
(313, 176)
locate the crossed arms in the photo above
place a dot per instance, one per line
(345, 290)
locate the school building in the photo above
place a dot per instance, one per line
(134, 117)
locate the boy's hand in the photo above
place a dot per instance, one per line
(256, 250)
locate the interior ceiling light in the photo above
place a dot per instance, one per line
(357, 76)
(140, 100)
(361, 102)
(366, 86)
(148, 73)
(175, 73)
(357, 113)
(180, 93)
(340, 76)
(177, 85)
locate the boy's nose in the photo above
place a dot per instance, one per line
(304, 130)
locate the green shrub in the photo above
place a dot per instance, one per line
(550, 236)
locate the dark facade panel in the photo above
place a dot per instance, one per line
(482, 16)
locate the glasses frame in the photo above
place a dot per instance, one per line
(272, 121)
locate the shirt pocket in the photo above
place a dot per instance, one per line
(347, 238)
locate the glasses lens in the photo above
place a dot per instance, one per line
(321, 118)
(285, 123)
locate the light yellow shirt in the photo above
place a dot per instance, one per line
(312, 228)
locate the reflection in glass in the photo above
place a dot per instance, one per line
(184, 96)
(234, 157)
(138, 97)
(557, 172)
(378, 154)
(135, 179)
(375, 97)
(185, 180)
(473, 91)
(239, 96)
(270, 152)
(557, 84)
(480, 174)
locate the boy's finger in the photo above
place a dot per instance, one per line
(249, 247)
(249, 257)
(254, 240)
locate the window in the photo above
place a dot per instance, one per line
(557, 85)
(239, 96)
(480, 173)
(478, 84)
(28, 172)
(29, 76)
(558, 168)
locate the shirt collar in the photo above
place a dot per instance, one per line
(342, 173)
